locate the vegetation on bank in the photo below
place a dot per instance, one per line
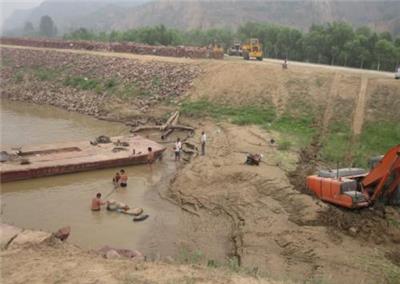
(295, 130)
(334, 43)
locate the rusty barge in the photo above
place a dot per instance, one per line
(29, 162)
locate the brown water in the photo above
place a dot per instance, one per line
(53, 202)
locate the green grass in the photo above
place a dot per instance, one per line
(82, 83)
(337, 143)
(295, 129)
(284, 145)
(186, 256)
(128, 91)
(44, 74)
(242, 115)
(86, 84)
(156, 81)
(19, 77)
(376, 139)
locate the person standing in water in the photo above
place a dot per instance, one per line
(150, 157)
(123, 181)
(97, 202)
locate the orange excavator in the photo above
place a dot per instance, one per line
(356, 188)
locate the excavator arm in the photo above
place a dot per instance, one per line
(385, 175)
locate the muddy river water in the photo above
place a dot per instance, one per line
(54, 202)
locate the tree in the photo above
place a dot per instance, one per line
(28, 28)
(47, 27)
(385, 51)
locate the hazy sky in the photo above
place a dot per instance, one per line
(9, 6)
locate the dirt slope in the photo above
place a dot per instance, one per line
(275, 229)
(50, 261)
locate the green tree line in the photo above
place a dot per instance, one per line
(334, 43)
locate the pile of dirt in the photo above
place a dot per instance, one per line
(90, 84)
(136, 48)
(368, 224)
(36, 257)
(394, 257)
(306, 165)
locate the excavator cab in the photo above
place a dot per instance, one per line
(355, 188)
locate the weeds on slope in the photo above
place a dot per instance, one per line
(376, 139)
(295, 129)
(241, 115)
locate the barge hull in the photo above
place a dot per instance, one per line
(86, 159)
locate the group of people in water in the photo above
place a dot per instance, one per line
(121, 178)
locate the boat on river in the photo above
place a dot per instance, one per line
(35, 161)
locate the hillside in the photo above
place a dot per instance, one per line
(107, 15)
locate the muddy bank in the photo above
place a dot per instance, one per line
(105, 87)
(274, 228)
(61, 262)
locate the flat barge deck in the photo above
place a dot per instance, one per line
(70, 157)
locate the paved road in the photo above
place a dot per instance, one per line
(314, 65)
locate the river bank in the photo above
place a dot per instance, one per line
(253, 217)
(61, 262)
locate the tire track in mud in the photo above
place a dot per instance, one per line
(279, 98)
(309, 155)
(358, 118)
(328, 113)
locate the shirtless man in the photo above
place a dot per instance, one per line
(123, 180)
(97, 202)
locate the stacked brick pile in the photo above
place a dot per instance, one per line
(136, 48)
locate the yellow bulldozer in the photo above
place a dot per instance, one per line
(252, 50)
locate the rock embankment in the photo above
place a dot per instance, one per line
(90, 84)
(131, 47)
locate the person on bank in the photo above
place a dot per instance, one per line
(123, 181)
(203, 141)
(178, 148)
(97, 202)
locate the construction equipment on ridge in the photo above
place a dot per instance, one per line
(252, 49)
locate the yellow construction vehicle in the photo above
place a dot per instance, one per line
(252, 49)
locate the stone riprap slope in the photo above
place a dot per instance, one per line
(91, 84)
(131, 47)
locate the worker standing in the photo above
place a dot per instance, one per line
(178, 148)
(203, 140)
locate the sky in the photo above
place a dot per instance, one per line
(9, 6)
